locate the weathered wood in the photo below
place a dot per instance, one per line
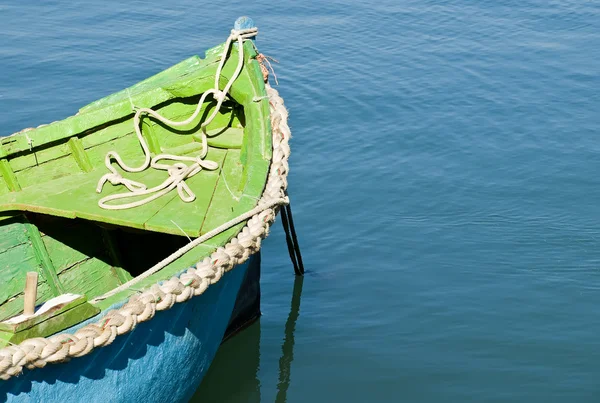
(148, 132)
(65, 253)
(128, 147)
(30, 293)
(227, 192)
(38, 157)
(49, 171)
(231, 137)
(188, 148)
(178, 216)
(51, 322)
(92, 275)
(115, 254)
(75, 125)
(43, 259)
(107, 132)
(9, 176)
(3, 187)
(14, 306)
(23, 323)
(72, 242)
(79, 154)
(14, 263)
(12, 233)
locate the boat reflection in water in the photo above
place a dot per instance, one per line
(233, 375)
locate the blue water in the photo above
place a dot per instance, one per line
(444, 182)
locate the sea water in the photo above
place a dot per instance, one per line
(444, 183)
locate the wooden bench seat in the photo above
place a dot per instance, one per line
(75, 196)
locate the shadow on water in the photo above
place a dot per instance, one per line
(233, 375)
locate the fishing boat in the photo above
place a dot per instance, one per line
(130, 233)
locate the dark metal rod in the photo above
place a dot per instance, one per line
(290, 235)
(295, 239)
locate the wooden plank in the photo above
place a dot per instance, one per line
(62, 255)
(72, 242)
(5, 338)
(230, 137)
(49, 171)
(186, 261)
(128, 147)
(43, 259)
(75, 125)
(91, 277)
(178, 111)
(75, 196)
(224, 201)
(102, 135)
(54, 324)
(50, 308)
(14, 306)
(170, 137)
(38, 157)
(69, 242)
(115, 254)
(79, 185)
(9, 176)
(3, 186)
(32, 198)
(190, 85)
(149, 134)
(178, 215)
(258, 149)
(79, 154)
(83, 202)
(14, 263)
(189, 148)
(12, 233)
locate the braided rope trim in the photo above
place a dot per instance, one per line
(37, 352)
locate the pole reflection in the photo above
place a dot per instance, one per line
(287, 348)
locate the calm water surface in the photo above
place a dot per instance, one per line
(444, 183)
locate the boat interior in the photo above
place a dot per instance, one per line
(50, 220)
(77, 247)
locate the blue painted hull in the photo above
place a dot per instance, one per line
(161, 360)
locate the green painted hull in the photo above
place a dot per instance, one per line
(50, 221)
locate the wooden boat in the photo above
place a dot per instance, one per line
(142, 218)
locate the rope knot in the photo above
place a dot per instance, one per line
(235, 34)
(116, 179)
(219, 96)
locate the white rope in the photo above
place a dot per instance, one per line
(37, 352)
(179, 171)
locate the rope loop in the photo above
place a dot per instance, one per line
(179, 171)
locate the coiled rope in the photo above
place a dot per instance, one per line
(38, 352)
(179, 171)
